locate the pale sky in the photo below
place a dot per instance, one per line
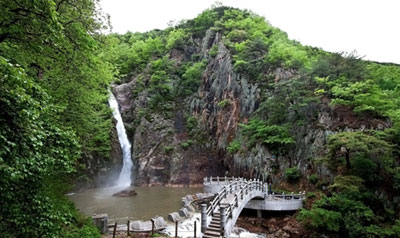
(371, 27)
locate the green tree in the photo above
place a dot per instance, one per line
(353, 144)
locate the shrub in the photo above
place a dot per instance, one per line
(213, 51)
(191, 123)
(234, 147)
(292, 174)
(224, 103)
(168, 149)
(186, 144)
(313, 178)
(396, 179)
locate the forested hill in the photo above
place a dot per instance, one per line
(225, 93)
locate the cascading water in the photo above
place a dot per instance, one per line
(124, 179)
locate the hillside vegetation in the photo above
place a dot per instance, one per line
(362, 157)
(325, 122)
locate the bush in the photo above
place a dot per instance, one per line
(396, 179)
(224, 103)
(213, 51)
(276, 136)
(168, 149)
(313, 178)
(234, 147)
(292, 174)
(186, 144)
(191, 123)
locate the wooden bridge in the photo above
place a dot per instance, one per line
(220, 216)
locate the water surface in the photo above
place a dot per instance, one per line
(150, 202)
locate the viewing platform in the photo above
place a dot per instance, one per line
(232, 195)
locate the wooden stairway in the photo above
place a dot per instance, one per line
(214, 229)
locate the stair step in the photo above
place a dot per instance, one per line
(212, 233)
(208, 236)
(215, 226)
(214, 229)
(215, 223)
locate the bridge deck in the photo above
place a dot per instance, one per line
(234, 194)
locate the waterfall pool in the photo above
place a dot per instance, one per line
(148, 203)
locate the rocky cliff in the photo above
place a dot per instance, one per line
(167, 152)
(228, 94)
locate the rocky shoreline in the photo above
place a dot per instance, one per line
(273, 227)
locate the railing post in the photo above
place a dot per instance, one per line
(203, 217)
(217, 179)
(222, 210)
(292, 196)
(176, 229)
(152, 226)
(115, 229)
(237, 200)
(195, 229)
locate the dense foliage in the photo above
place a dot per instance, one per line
(55, 68)
(54, 116)
(295, 82)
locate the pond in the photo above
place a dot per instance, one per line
(148, 203)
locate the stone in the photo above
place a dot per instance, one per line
(190, 208)
(101, 222)
(159, 222)
(183, 212)
(140, 225)
(126, 193)
(174, 217)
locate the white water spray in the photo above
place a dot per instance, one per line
(124, 179)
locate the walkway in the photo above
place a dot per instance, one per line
(234, 194)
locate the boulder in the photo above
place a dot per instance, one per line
(174, 217)
(190, 208)
(159, 222)
(140, 225)
(183, 212)
(126, 193)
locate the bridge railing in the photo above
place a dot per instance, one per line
(217, 180)
(244, 190)
(283, 196)
(223, 193)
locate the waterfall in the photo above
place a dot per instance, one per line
(124, 179)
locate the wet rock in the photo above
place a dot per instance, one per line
(140, 225)
(159, 222)
(126, 193)
(174, 217)
(190, 208)
(183, 212)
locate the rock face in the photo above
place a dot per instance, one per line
(167, 150)
(274, 227)
(126, 193)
